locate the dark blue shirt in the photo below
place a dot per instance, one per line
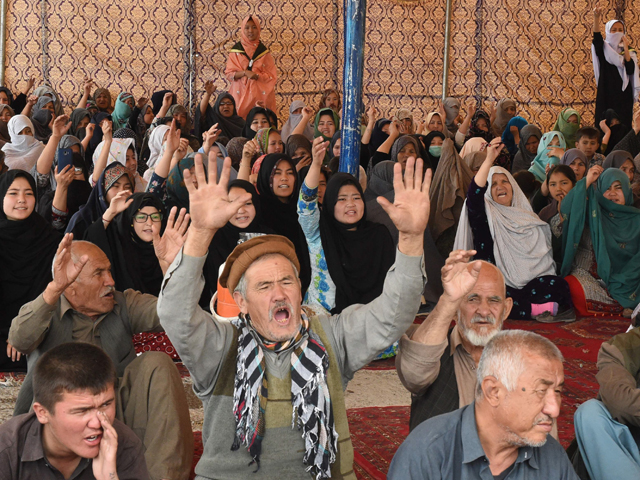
(448, 447)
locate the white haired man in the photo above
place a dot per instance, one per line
(504, 432)
(278, 365)
(437, 363)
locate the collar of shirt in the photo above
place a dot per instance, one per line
(455, 339)
(33, 450)
(471, 446)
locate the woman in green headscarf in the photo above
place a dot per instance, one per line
(122, 110)
(326, 124)
(568, 124)
(601, 242)
(550, 150)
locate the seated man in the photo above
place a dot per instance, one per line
(73, 431)
(504, 432)
(437, 364)
(81, 305)
(278, 366)
(608, 429)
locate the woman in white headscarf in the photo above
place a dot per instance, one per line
(24, 150)
(156, 141)
(616, 69)
(497, 221)
(295, 116)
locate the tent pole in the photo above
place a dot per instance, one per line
(354, 29)
(447, 45)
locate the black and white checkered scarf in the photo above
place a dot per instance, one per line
(312, 412)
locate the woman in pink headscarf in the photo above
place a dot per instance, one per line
(251, 70)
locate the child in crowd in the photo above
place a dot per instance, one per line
(588, 142)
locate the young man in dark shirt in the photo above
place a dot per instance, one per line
(72, 432)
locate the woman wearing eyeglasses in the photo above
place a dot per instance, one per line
(125, 233)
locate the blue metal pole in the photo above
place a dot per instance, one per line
(354, 27)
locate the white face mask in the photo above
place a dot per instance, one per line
(615, 39)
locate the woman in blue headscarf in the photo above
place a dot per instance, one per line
(548, 154)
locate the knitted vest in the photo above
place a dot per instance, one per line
(277, 417)
(441, 396)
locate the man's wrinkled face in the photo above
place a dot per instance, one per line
(92, 293)
(485, 308)
(272, 298)
(527, 413)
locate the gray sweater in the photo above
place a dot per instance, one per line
(355, 336)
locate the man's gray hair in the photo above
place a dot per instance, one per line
(241, 287)
(503, 357)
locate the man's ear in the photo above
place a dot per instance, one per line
(41, 412)
(491, 388)
(508, 305)
(241, 302)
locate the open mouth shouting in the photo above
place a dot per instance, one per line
(281, 313)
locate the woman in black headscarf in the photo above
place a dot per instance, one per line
(615, 129)
(257, 119)
(278, 188)
(358, 252)
(128, 242)
(41, 117)
(223, 113)
(242, 226)
(27, 247)
(379, 135)
(79, 118)
(432, 143)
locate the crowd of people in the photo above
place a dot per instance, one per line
(277, 277)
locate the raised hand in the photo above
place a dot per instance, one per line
(169, 244)
(104, 465)
(181, 152)
(87, 86)
(470, 106)
(604, 127)
(210, 137)
(65, 268)
(142, 101)
(597, 11)
(443, 113)
(304, 162)
(318, 151)
(249, 150)
(118, 204)
(410, 208)
(493, 149)
(90, 129)
(173, 138)
(636, 121)
(458, 276)
(30, 83)
(307, 112)
(32, 100)
(209, 203)
(394, 129)
(167, 100)
(107, 129)
(61, 125)
(372, 113)
(209, 87)
(593, 174)
(555, 152)
(65, 177)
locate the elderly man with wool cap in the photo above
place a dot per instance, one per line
(272, 381)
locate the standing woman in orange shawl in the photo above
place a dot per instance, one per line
(251, 70)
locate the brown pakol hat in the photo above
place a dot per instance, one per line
(248, 252)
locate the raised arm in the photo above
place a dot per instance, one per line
(88, 135)
(171, 144)
(307, 113)
(61, 126)
(313, 176)
(199, 339)
(28, 328)
(209, 88)
(31, 101)
(394, 133)
(87, 87)
(372, 115)
(63, 180)
(248, 151)
(470, 106)
(493, 150)
(167, 100)
(418, 362)
(107, 139)
(597, 16)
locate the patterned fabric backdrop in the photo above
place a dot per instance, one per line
(535, 51)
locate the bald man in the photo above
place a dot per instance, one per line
(81, 304)
(436, 363)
